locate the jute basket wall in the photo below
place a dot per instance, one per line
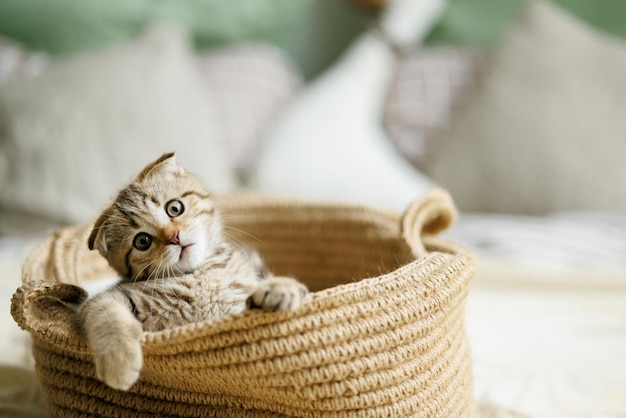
(382, 334)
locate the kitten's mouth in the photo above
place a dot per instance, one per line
(183, 251)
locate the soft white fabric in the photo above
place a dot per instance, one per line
(406, 22)
(549, 348)
(546, 316)
(330, 144)
(76, 133)
(581, 239)
(546, 132)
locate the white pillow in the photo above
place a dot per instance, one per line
(330, 144)
(76, 133)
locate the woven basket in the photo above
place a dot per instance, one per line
(382, 333)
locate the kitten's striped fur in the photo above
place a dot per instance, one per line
(163, 235)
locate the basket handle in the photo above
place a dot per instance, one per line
(46, 306)
(430, 214)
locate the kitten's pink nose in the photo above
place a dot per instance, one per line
(173, 239)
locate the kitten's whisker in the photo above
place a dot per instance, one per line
(153, 275)
(247, 234)
(145, 282)
(226, 217)
(172, 288)
(239, 245)
(156, 277)
(142, 270)
(250, 253)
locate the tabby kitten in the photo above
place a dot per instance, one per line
(163, 236)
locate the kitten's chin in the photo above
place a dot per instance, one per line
(198, 245)
(191, 257)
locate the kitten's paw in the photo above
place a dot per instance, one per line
(278, 294)
(119, 366)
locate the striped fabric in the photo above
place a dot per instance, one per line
(428, 87)
(249, 84)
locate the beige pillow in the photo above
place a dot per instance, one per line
(547, 129)
(73, 135)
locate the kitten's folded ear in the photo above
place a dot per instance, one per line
(97, 237)
(166, 163)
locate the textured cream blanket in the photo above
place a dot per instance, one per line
(549, 341)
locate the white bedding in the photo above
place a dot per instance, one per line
(546, 317)
(549, 348)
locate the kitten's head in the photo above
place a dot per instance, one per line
(162, 224)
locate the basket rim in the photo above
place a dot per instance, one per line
(437, 251)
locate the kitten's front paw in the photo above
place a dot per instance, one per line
(119, 366)
(278, 294)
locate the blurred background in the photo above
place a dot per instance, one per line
(516, 107)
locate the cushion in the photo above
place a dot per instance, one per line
(17, 61)
(482, 22)
(429, 85)
(545, 131)
(71, 135)
(249, 85)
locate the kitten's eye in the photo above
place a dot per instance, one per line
(142, 241)
(174, 208)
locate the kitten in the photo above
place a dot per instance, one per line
(163, 236)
